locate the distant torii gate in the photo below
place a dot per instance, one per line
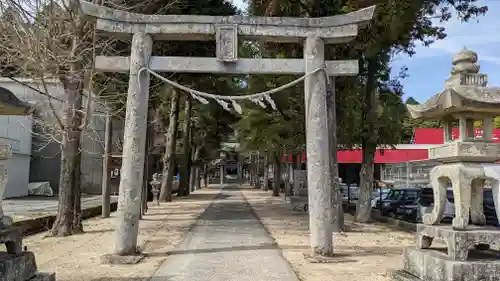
(226, 30)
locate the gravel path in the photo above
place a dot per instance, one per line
(227, 243)
(77, 257)
(368, 252)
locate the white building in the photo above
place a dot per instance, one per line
(16, 131)
(37, 160)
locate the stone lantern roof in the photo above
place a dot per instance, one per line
(11, 105)
(465, 92)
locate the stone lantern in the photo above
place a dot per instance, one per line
(155, 187)
(9, 105)
(466, 162)
(16, 264)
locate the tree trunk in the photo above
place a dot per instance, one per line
(77, 197)
(205, 175)
(186, 147)
(191, 154)
(147, 163)
(147, 187)
(191, 174)
(338, 212)
(363, 207)
(289, 172)
(295, 166)
(265, 185)
(169, 157)
(252, 170)
(106, 166)
(194, 175)
(197, 178)
(192, 179)
(257, 170)
(369, 145)
(68, 218)
(277, 174)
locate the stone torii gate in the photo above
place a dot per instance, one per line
(226, 31)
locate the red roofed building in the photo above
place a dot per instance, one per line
(350, 160)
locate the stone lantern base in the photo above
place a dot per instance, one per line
(15, 264)
(466, 256)
(21, 267)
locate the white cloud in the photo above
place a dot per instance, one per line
(479, 35)
(238, 3)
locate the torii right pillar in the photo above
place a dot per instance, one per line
(318, 174)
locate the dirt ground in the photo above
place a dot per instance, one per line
(368, 252)
(77, 258)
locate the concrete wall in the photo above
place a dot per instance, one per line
(45, 153)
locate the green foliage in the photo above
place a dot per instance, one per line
(117, 91)
(265, 128)
(397, 27)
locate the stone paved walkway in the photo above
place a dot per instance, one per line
(227, 243)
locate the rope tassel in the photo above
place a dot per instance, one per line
(237, 107)
(224, 104)
(200, 99)
(270, 101)
(258, 101)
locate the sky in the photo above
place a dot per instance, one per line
(430, 66)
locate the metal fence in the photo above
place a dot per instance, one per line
(408, 174)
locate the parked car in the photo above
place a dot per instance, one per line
(377, 194)
(408, 211)
(397, 197)
(489, 208)
(426, 203)
(349, 193)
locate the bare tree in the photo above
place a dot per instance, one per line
(48, 40)
(170, 144)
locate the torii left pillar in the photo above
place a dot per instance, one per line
(131, 177)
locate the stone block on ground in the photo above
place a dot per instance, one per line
(41, 276)
(458, 241)
(401, 275)
(17, 267)
(434, 265)
(12, 237)
(117, 259)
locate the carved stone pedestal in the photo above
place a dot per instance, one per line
(466, 257)
(458, 241)
(12, 239)
(434, 265)
(21, 267)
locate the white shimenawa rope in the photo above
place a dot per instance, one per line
(256, 98)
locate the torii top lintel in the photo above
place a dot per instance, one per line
(335, 29)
